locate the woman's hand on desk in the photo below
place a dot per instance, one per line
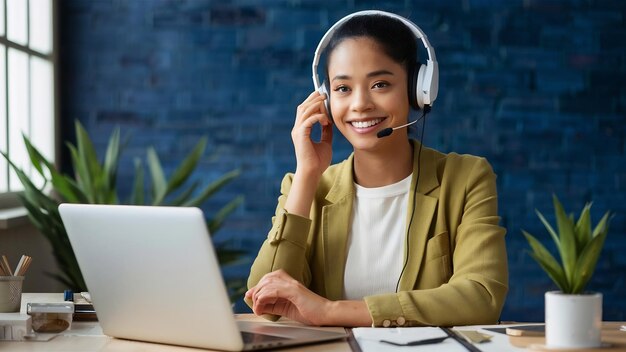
(280, 294)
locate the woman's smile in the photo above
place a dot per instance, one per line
(366, 126)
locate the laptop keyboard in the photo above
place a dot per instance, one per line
(249, 337)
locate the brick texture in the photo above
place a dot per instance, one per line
(535, 86)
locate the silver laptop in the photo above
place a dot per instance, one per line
(153, 276)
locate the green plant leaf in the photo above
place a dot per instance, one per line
(136, 196)
(31, 193)
(112, 154)
(602, 225)
(560, 281)
(111, 161)
(566, 239)
(587, 261)
(221, 215)
(39, 219)
(83, 178)
(551, 231)
(583, 229)
(185, 195)
(36, 159)
(187, 166)
(21, 175)
(87, 154)
(212, 188)
(68, 188)
(63, 185)
(159, 185)
(547, 262)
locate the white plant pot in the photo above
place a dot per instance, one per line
(573, 321)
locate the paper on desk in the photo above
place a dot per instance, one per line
(369, 339)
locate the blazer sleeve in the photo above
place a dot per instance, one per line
(477, 288)
(285, 246)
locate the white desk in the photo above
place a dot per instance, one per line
(88, 337)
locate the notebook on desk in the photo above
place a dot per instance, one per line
(153, 276)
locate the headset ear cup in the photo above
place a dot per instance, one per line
(325, 89)
(419, 93)
(413, 86)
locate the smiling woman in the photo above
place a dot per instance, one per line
(397, 234)
(368, 90)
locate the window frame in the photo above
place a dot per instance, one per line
(9, 200)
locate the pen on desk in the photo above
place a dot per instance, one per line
(470, 347)
(417, 342)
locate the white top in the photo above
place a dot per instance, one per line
(376, 240)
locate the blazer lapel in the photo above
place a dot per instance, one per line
(335, 228)
(425, 207)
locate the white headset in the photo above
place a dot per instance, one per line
(422, 88)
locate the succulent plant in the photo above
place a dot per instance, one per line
(578, 245)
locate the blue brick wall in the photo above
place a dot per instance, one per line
(535, 86)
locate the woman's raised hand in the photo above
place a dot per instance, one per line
(313, 158)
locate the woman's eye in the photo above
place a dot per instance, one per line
(379, 85)
(342, 89)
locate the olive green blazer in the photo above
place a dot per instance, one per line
(457, 265)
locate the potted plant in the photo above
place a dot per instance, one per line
(94, 181)
(573, 316)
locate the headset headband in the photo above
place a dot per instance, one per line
(432, 70)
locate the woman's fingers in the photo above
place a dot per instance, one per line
(302, 132)
(265, 280)
(278, 306)
(250, 293)
(327, 134)
(264, 304)
(315, 103)
(314, 96)
(313, 119)
(313, 108)
(266, 298)
(272, 287)
(278, 293)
